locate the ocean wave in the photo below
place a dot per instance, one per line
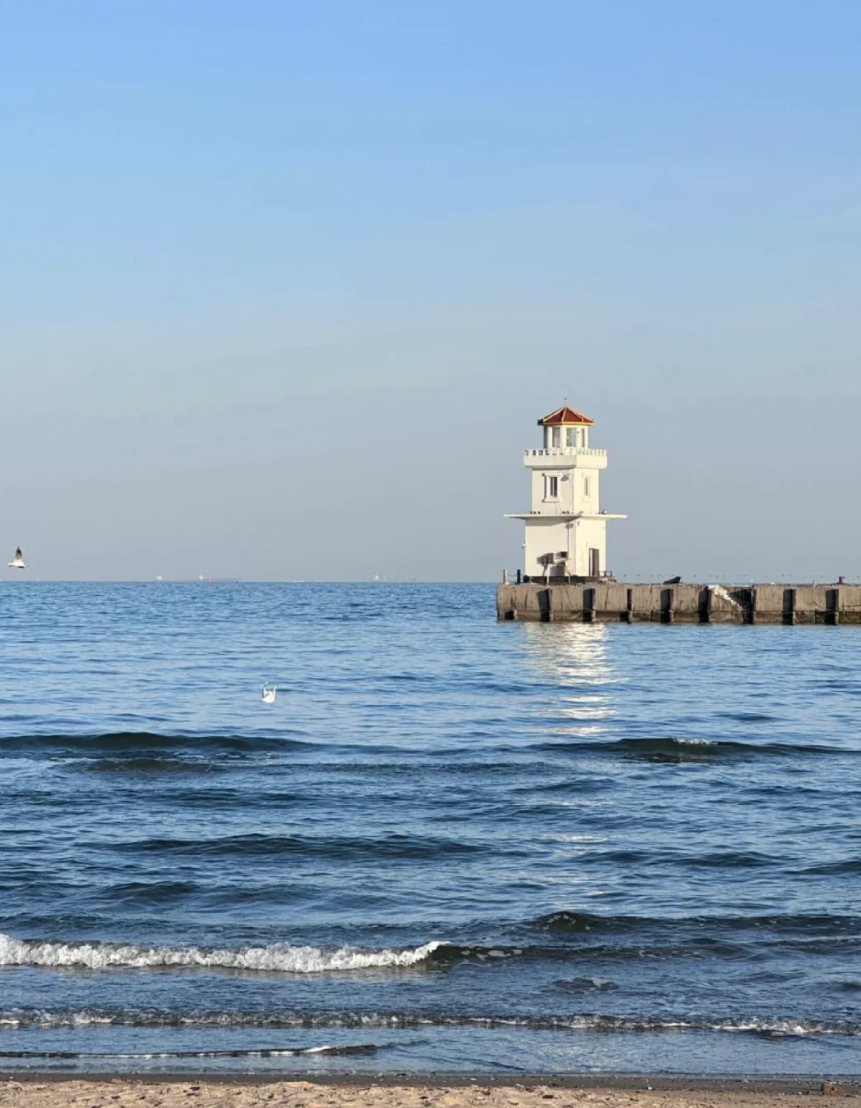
(132, 743)
(392, 846)
(148, 893)
(820, 925)
(585, 984)
(277, 958)
(667, 748)
(153, 764)
(260, 1052)
(560, 936)
(571, 922)
(569, 939)
(847, 865)
(123, 746)
(82, 1019)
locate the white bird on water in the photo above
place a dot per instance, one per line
(18, 561)
(269, 692)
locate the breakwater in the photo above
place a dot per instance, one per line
(679, 603)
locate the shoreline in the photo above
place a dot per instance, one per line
(779, 1084)
(402, 1091)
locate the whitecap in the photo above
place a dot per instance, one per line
(277, 958)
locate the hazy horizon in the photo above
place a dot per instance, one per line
(285, 289)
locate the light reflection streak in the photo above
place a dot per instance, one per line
(575, 657)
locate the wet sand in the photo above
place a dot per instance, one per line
(401, 1092)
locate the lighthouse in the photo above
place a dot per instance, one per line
(566, 530)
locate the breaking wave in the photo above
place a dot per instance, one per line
(562, 936)
(277, 958)
(20, 1019)
(262, 1052)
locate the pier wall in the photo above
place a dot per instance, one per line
(682, 603)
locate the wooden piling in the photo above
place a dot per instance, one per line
(544, 602)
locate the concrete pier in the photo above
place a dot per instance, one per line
(679, 603)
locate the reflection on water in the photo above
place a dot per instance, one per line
(576, 658)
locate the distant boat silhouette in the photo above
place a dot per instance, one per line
(18, 561)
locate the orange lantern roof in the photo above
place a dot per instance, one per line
(567, 417)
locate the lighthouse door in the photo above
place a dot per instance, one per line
(594, 562)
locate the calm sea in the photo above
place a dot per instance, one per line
(450, 844)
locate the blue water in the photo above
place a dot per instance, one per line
(450, 844)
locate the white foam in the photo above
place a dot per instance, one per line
(22, 1018)
(279, 958)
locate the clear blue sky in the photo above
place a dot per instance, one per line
(285, 286)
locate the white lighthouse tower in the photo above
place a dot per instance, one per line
(566, 531)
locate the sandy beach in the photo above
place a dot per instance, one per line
(122, 1092)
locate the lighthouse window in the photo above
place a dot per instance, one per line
(571, 436)
(552, 488)
(557, 436)
(585, 486)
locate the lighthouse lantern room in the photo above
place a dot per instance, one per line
(566, 531)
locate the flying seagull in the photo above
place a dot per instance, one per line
(269, 692)
(18, 561)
